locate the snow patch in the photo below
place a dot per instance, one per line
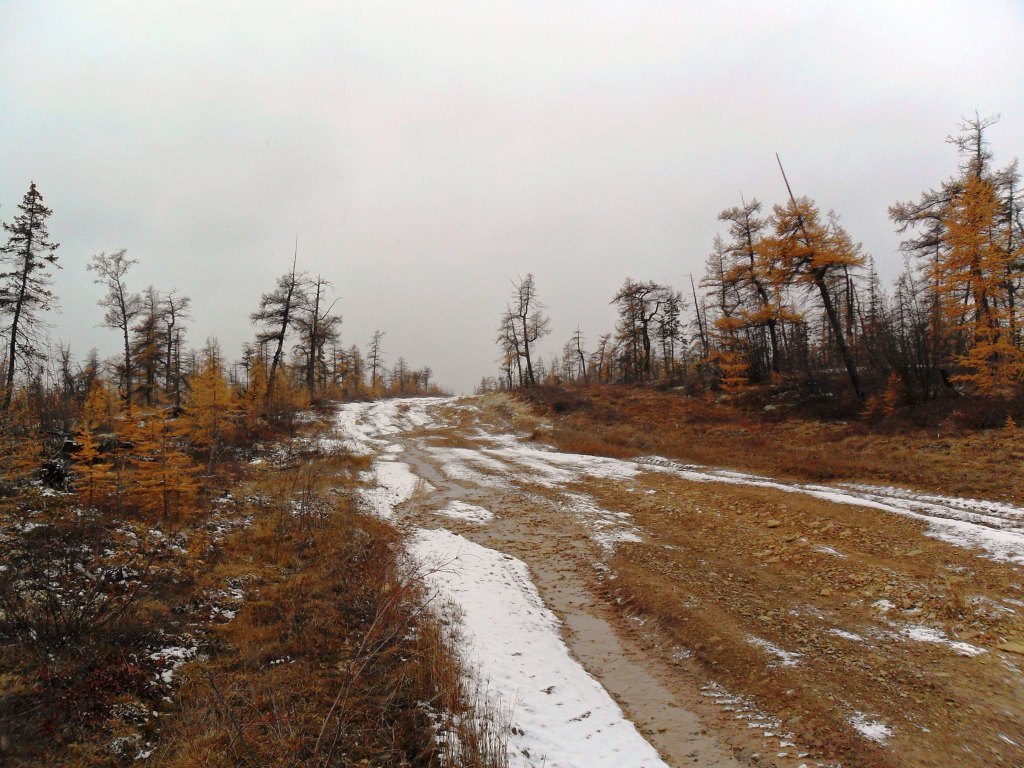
(785, 658)
(171, 658)
(560, 716)
(394, 484)
(745, 709)
(607, 528)
(923, 634)
(552, 468)
(460, 510)
(851, 636)
(465, 465)
(875, 730)
(825, 550)
(362, 427)
(882, 605)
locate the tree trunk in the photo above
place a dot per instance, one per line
(280, 341)
(314, 332)
(127, 354)
(526, 353)
(837, 331)
(9, 387)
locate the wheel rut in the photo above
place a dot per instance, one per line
(565, 564)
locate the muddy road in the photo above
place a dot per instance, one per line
(735, 620)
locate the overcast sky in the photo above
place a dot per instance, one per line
(425, 153)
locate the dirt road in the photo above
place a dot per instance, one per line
(736, 620)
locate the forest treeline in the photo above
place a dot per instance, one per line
(789, 298)
(137, 492)
(52, 404)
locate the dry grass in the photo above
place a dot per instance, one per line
(84, 598)
(314, 647)
(333, 659)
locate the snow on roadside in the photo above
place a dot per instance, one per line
(393, 483)
(785, 658)
(467, 465)
(998, 529)
(460, 510)
(362, 427)
(561, 717)
(353, 433)
(853, 637)
(995, 528)
(826, 550)
(744, 709)
(551, 468)
(607, 528)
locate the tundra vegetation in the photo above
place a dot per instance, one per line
(186, 575)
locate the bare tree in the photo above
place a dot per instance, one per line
(600, 359)
(511, 349)
(574, 359)
(175, 309)
(400, 375)
(529, 321)
(278, 313)
(148, 344)
(122, 305)
(375, 357)
(355, 372)
(318, 327)
(638, 305)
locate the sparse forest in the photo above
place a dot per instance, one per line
(790, 301)
(127, 488)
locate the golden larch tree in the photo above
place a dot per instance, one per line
(162, 474)
(805, 250)
(971, 282)
(95, 476)
(212, 409)
(20, 447)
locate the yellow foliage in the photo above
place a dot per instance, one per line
(289, 392)
(100, 407)
(212, 409)
(804, 248)
(162, 475)
(19, 444)
(972, 282)
(96, 478)
(733, 365)
(874, 407)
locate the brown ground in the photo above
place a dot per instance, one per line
(720, 566)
